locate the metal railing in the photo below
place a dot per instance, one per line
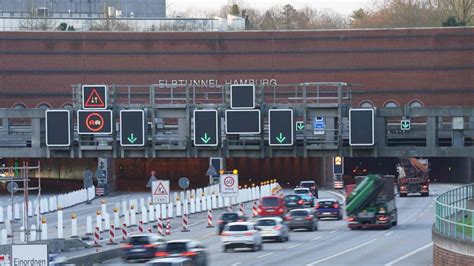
(455, 213)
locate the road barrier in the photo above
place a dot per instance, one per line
(168, 226)
(116, 218)
(33, 233)
(106, 223)
(133, 216)
(140, 227)
(74, 226)
(170, 210)
(124, 232)
(22, 234)
(4, 237)
(178, 208)
(97, 237)
(185, 223)
(255, 208)
(44, 229)
(160, 226)
(60, 224)
(126, 217)
(209, 219)
(144, 215)
(112, 235)
(98, 220)
(89, 226)
(241, 208)
(151, 213)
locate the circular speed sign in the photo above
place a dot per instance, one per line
(229, 181)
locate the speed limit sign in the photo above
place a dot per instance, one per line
(229, 185)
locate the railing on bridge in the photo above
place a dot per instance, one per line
(455, 213)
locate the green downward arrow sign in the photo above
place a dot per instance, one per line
(132, 139)
(300, 125)
(280, 138)
(405, 124)
(206, 138)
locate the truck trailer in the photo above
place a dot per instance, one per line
(413, 177)
(372, 203)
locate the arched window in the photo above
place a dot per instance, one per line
(390, 104)
(19, 106)
(43, 106)
(366, 104)
(67, 106)
(415, 103)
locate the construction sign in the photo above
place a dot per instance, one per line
(160, 191)
(94, 97)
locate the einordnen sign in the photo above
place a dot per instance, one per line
(29, 255)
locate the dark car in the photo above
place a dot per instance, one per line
(142, 247)
(312, 187)
(329, 208)
(293, 201)
(302, 219)
(191, 249)
(230, 217)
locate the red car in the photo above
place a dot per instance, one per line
(271, 206)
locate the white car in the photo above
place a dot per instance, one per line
(241, 235)
(273, 228)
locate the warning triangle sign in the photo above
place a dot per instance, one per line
(160, 190)
(94, 100)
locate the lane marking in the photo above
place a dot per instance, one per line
(264, 255)
(340, 253)
(206, 236)
(337, 194)
(316, 238)
(334, 231)
(294, 246)
(389, 233)
(409, 254)
(237, 263)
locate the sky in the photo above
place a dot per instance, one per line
(341, 6)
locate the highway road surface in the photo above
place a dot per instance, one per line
(334, 243)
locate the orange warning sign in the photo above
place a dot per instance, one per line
(160, 190)
(94, 97)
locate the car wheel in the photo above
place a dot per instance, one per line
(260, 247)
(311, 228)
(287, 238)
(340, 217)
(225, 249)
(254, 247)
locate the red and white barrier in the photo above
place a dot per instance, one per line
(241, 208)
(97, 237)
(149, 229)
(209, 219)
(168, 226)
(140, 227)
(124, 232)
(112, 235)
(255, 208)
(160, 227)
(185, 222)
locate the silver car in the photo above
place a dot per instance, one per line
(302, 219)
(273, 228)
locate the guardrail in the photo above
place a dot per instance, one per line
(455, 213)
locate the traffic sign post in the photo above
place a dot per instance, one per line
(242, 122)
(405, 124)
(132, 128)
(205, 128)
(229, 184)
(361, 127)
(94, 122)
(242, 96)
(58, 128)
(160, 191)
(281, 127)
(338, 165)
(94, 97)
(319, 125)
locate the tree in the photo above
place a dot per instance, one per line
(235, 10)
(461, 10)
(288, 18)
(451, 21)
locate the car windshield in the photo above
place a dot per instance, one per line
(307, 184)
(291, 198)
(266, 222)
(238, 227)
(299, 213)
(139, 240)
(270, 202)
(301, 191)
(326, 204)
(176, 247)
(230, 217)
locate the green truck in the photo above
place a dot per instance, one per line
(372, 203)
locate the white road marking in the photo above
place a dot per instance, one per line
(334, 231)
(340, 253)
(294, 246)
(264, 255)
(316, 238)
(235, 264)
(389, 233)
(409, 254)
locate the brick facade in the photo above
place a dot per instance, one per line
(433, 66)
(443, 257)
